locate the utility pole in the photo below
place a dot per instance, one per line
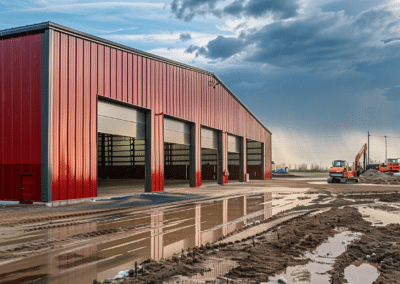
(368, 149)
(385, 149)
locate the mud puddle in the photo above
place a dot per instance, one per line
(286, 201)
(218, 269)
(379, 217)
(99, 250)
(321, 261)
(361, 272)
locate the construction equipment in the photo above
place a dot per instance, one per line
(391, 166)
(343, 173)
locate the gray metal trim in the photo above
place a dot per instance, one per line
(103, 98)
(24, 29)
(148, 152)
(46, 120)
(63, 29)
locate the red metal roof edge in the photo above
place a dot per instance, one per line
(64, 29)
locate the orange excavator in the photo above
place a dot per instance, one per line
(341, 172)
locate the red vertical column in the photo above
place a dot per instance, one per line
(243, 160)
(225, 158)
(268, 155)
(195, 155)
(154, 152)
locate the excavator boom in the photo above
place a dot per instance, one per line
(363, 152)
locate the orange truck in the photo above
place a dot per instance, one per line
(343, 173)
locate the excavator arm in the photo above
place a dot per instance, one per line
(363, 152)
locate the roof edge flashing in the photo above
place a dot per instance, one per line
(25, 29)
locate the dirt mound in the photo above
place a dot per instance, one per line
(373, 176)
(373, 173)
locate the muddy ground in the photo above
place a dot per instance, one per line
(40, 230)
(269, 253)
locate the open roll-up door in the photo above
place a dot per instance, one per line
(121, 120)
(176, 132)
(209, 138)
(233, 144)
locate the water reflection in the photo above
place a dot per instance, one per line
(156, 234)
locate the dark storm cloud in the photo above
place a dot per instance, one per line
(191, 49)
(257, 8)
(393, 94)
(222, 47)
(185, 37)
(390, 39)
(187, 9)
(296, 43)
(321, 40)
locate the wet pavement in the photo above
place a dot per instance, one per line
(99, 246)
(101, 249)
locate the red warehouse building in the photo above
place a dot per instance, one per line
(79, 114)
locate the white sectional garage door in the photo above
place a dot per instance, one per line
(176, 132)
(233, 144)
(121, 120)
(209, 138)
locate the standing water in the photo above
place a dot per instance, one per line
(155, 234)
(321, 261)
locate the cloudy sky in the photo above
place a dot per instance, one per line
(318, 73)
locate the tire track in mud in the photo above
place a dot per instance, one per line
(266, 254)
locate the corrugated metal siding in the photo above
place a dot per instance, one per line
(74, 132)
(143, 82)
(20, 114)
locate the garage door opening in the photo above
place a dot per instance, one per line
(120, 150)
(176, 153)
(209, 155)
(233, 157)
(254, 159)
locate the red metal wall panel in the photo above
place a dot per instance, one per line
(93, 122)
(88, 69)
(56, 118)
(71, 117)
(86, 118)
(20, 114)
(79, 119)
(63, 116)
